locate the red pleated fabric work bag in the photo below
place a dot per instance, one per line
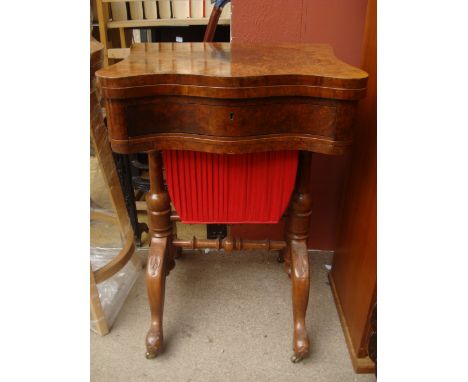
(229, 189)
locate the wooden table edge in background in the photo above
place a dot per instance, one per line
(106, 162)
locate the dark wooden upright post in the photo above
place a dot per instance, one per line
(159, 259)
(296, 259)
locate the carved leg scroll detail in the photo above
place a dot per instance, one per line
(155, 282)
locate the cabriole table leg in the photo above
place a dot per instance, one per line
(296, 256)
(160, 260)
(156, 283)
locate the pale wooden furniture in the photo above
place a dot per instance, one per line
(103, 152)
(112, 14)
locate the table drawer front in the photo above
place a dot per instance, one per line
(230, 119)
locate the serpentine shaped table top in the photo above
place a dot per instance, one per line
(231, 98)
(227, 70)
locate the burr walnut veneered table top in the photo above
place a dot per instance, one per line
(229, 99)
(200, 96)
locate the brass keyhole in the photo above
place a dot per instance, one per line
(231, 116)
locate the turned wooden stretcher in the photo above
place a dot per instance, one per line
(229, 99)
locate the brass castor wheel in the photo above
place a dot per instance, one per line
(154, 343)
(296, 358)
(153, 354)
(149, 355)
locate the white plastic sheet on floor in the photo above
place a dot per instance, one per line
(114, 290)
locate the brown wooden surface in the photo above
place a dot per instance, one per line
(224, 98)
(360, 364)
(224, 70)
(230, 244)
(296, 256)
(212, 23)
(372, 343)
(229, 99)
(159, 261)
(339, 23)
(354, 272)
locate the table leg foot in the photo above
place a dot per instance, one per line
(154, 343)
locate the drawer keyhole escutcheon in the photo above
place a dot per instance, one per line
(231, 116)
